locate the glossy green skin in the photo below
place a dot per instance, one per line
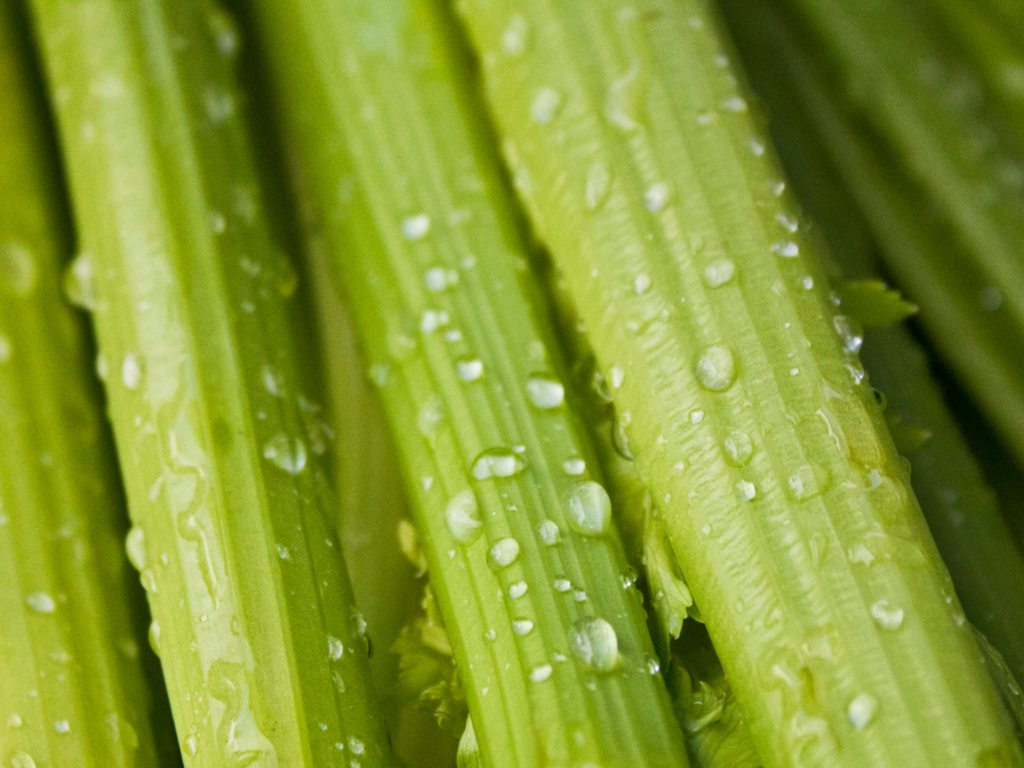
(259, 640)
(71, 685)
(378, 113)
(973, 538)
(787, 554)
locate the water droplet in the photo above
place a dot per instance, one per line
(788, 249)
(40, 602)
(656, 196)
(355, 746)
(463, 517)
(738, 448)
(415, 227)
(642, 283)
(78, 282)
(522, 627)
(283, 552)
(735, 104)
(619, 439)
(541, 673)
(562, 585)
(469, 368)
(616, 376)
(590, 509)
(850, 333)
(517, 589)
(887, 616)
(430, 415)
(154, 637)
(594, 642)
(14, 721)
(131, 373)
(504, 552)
(515, 36)
(148, 580)
(652, 665)
(574, 466)
(548, 532)
(859, 553)
(579, 595)
(719, 272)
(696, 416)
(745, 490)
(335, 648)
(273, 382)
(598, 184)
(190, 745)
(545, 105)
(17, 269)
(715, 369)
(861, 710)
(287, 453)
(22, 760)
(789, 223)
(62, 726)
(807, 482)
(545, 392)
(135, 546)
(497, 462)
(380, 373)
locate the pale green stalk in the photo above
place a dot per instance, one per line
(552, 650)
(643, 173)
(71, 686)
(263, 651)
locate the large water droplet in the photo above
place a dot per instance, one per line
(135, 546)
(287, 453)
(469, 368)
(851, 335)
(590, 509)
(886, 615)
(715, 368)
(79, 285)
(522, 627)
(463, 517)
(190, 745)
(594, 642)
(745, 490)
(504, 552)
(738, 448)
(718, 273)
(548, 532)
(545, 392)
(415, 227)
(517, 589)
(497, 462)
(335, 648)
(861, 710)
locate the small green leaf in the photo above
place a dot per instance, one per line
(874, 303)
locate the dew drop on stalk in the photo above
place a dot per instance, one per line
(541, 673)
(40, 602)
(497, 462)
(503, 553)
(598, 184)
(590, 509)
(462, 516)
(546, 105)
(619, 439)
(562, 585)
(545, 392)
(62, 726)
(416, 227)
(516, 35)
(190, 745)
(131, 373)
(886, 615)
(806, 482)
(861, 710)
(17, 269)
(287, 453)
(574, 467)
(739, 448)
(469, 368)
(656, 196)
(522, 627)
(787, 249)
(642, 283)
(79, 285)
(517, 589)
(548, 532)
(335, 648)
(22, 760)
(745, 490)
(715, 368)
(135, 546)
(850, 333)
(154, 637)
(718, 273)
(593, 641)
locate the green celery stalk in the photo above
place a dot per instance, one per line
(71, 683)
(262, 648)
(962, 512)
(645, 176)
(392, 155)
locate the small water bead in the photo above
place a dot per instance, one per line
(719, 272)
(574, 467)
(862, 710)
(789, 223)
(806, 482)
(273, 382)
(598, 185)
(579, 595)
(851, 335)
(283, 552)
(522, 627)
(517, 589)
(593, 641)
(40, 602)
(735, 104)
(886, 615)
(17, 269)
(788, 249)
(462, 517)
(131, 373)
(619, 439)
(656, 196)
(135, 546)
(696, 416)
(652, 665)
(739, 448)
(287, 453)
(562, 585)
(642, 283)
(514, 38)
(439, 279)
(616, 376)
(545, 105)
(715, 368)
(541, 673)
(590, 509)
(503, 553)
(497, 462)
(79, 286)
(469, 368)
(335, 648)
(22, 760)
(745, 490)
(415, 227)
(14, 721)
(62, 726)
(154, 637)
(544, 392)
(548, 532)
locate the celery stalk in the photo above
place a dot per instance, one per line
(643, 173)
(962, 513)
(263, 651)
(552, 650)
(71, 684)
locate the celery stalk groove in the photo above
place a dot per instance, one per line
(261, 646)
(552, 651)
(784, 498)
